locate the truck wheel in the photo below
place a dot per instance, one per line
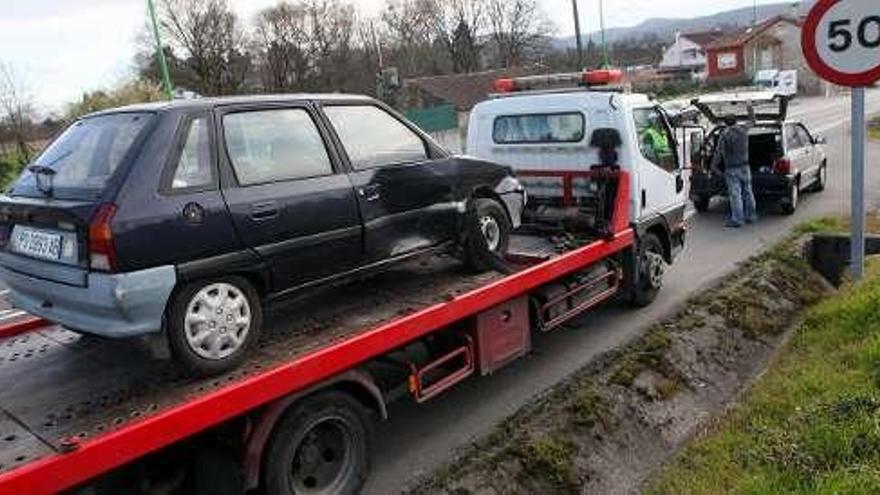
(701, 203)
(651, 265)
(487, 236)
(320, 446)
(213, 323)
(790, 204)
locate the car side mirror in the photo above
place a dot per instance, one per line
(679, 183)
(820, 140)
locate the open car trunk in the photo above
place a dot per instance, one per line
(765, 147)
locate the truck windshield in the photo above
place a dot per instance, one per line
(86, 155)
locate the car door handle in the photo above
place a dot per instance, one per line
(264, 210)
(370, 192)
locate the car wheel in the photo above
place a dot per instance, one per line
(821, 178)
(652, 267)
(320, 446)
(701, 203)
(790, 204)
(213, 323)
(487, 236)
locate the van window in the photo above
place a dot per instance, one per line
(565, 127)
(275, 145)
(372, 137)
(87, 153)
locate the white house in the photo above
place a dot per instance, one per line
(688, 53)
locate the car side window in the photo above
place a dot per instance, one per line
(804, 135)
(792, 139)
(372, 137)
(275, 145)
(193, 168)
(655, 138)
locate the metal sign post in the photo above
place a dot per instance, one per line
(841, 42)
(857, 242)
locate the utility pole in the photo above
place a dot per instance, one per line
(160, 53)
(605, 61)
(577, 34)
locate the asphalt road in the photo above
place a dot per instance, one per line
(419, 438)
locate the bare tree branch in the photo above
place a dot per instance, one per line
(16, 105)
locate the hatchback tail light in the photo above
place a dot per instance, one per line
(782, 166)
(102, 252)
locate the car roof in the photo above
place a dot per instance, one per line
(529, 101)
(212, 102)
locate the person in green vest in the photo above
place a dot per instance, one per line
(655, 141)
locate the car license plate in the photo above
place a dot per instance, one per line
(36, 243)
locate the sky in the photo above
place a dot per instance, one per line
(61, 48)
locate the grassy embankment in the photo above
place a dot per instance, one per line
(811, 424)
(874, 129)
(611, 425)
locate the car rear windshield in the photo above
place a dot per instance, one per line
(539, 128)
(85, 156)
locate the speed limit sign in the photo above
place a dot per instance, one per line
(841, 41)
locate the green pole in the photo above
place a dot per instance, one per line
(160, 53)
(605, 62)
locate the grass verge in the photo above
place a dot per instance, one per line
(874, 129)
(614, 423)
(811, 424)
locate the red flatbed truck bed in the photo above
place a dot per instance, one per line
(73, 408)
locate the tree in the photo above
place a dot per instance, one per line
(519, 29)
(408, 28)
(16, 111)
(310, 45)
(209, 34)
(282, 43)
(457, 26)
(127, 93)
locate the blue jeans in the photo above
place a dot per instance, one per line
(739, 191)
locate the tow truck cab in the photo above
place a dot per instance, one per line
(552, 129)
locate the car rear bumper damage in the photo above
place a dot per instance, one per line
(110, 305)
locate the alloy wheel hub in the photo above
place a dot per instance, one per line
(218, 319)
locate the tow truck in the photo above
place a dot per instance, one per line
(77, 416)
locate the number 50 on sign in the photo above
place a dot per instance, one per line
(841, 41)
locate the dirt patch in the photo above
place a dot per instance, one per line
(607, 428)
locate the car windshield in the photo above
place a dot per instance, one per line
(86, 154)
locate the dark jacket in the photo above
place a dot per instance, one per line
(732, 149)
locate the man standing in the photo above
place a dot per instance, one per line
(732, 150)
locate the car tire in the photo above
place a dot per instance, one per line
(487, 230)
(701, 203)
(320, 445)
(789, 205)
(651, 266)
(821, 178)
(209, 338)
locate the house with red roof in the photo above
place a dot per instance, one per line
(772, 44)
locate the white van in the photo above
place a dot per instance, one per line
(545, 133)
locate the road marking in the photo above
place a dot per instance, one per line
(11, 315)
